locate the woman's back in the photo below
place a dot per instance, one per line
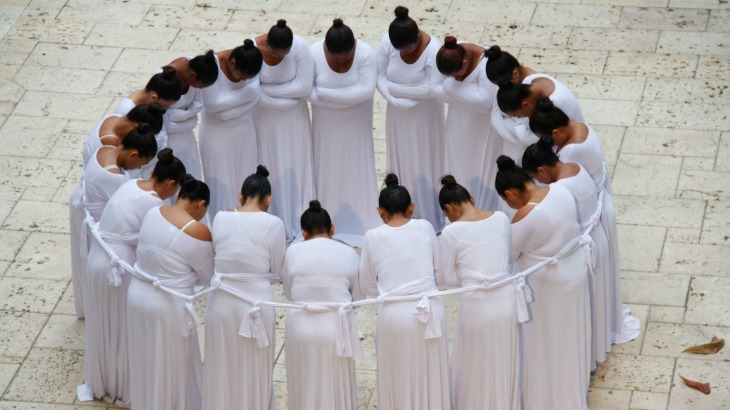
(248, 242)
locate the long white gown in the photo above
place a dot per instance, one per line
(342, 134)
(556, 342)
(411, 344)
(165, 367)
(179, 122)
(284, 134)
(106, 364)
(486, 359)
(589, 154)
(472, 145)
(318, 270)
(414, 125)
(249, 253)
(227, 138)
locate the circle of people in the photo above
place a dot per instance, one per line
(531, 245)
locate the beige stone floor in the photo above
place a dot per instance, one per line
(652, 77)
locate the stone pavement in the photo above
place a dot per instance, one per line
(652, 77)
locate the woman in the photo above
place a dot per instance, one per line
(472, 145)
(319, 271)
(578, 142)
(414, 122)
(345, 74)
(401, 258)
(475, 250)
(174, 253)
(227, 133)
(541, 163)
(556, 342)
(249, 248)
(282, 122)
(106, 366)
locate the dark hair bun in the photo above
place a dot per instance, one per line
(188, 183)
(505, 84)
(144, 128)
(262, 171)
(544, 104)
(337, 23)
(209, 57)
(401, 13)
(391, 180)
(247, 44)
(168, 72)
(281, 23)
(505, 163)
(448, 181)
(493, 52)
(165, 156)
(315, 206)
(545, 144)
(450, 42)
(156, 109)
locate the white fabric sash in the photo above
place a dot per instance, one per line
(423, 311)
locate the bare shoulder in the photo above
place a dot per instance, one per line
(199, 231)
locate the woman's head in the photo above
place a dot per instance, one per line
(451, 59)
(246, 60)
(394, 199)
(547, 117)
(256, 187)
(511, 181)
(168, 173)
(316, 221)
(280, 39)
(204, 68)
(340, 41)
(513, 99)
(138, 147)
(538, 158)
(501, 65)
(452, 197)
(403, 31)
(197, 194)
(150, 114)
(165, 87)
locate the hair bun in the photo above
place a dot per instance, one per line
(281, 23)
(401, 13)
(505, 84)
(337, 23)
(450, 42)
(315, 206)
(168, 72)
(188, 183)
(545, 144)
(209, 57)
(448, 181)
(544, 104)
(262, 171)
(156, 109)
(248, 44)
(391, 180)
(505, 163)
(144, 128)
(493, 52)
(165, 156)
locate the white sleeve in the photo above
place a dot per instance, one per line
(355, 289)
(277, 103)
(278, 250)
(512, 129)
(285, 278)
(448, 275)
(383, 60)
(202, 260)
(216, 102)
(301, 85)
(367, 275)
(436, 253)
(367, 75)
(472, 97)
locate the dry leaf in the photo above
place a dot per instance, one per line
(708, 348)
(703, 387)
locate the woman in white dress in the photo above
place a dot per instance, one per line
(174, 253)
(578, 142)
(282, 122)
(249, 251)
(400, 258)
(227, 133)
(475, 250)
(318, 271)
(472, 145)
(414, 121)
(556, 341)
(106, 364)
(345, 75)
(541, 163)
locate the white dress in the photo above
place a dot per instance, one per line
(227, 138)
(100, 184)
(106, 364)
(411, 345)
(249, 252)
(318, 270)
(165, 368)
(414, 125)
(179, 122)
(584, 191)
(342, 134)
(556, 342)
(472, 145)
(145, 172)
(589, 154)
(284, 135)
(486, 361)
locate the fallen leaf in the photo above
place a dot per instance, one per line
(708, 348)
(703, 387)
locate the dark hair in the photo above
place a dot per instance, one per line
(168, 167)
(394, 198)
(165, 84)
(142, 139)
(280, 36)
(315, 220)
(256, 185)
(204, 67)
(451, 192)
(500, 64)
(510, 96)
(339, 38)
(547, 117)
(150, 114)
(248, 58)
(403, 30)
(509, 176)
(450, 57)
(539, 154)
(194, 190)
